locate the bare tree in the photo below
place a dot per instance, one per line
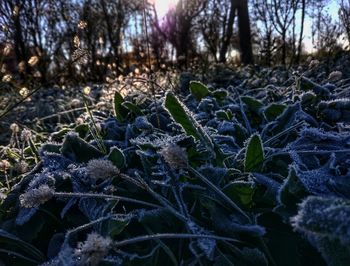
(178, 28)
(13, 18)
(265, 30)
(344, 15)
(213, 26)
(325, 30)
(301, 34)
(240, 9)
(282, 13)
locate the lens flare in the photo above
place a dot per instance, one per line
(163, 6)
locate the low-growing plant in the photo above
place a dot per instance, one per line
(219, 177)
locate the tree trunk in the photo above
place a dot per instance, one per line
(284, 47)
(301, 31)
(245, 41)
(227, 38)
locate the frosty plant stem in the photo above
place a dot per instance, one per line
(308, 152)
(84, 227)
(177, 158)
(301, 123)
(164, 202)
(103, 196)
(35, 197)
(95, 134)
(138, 239)
(219, 192)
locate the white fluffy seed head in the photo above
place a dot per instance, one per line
(21, 167)
(93, 249)
(175, 156)
(37, 196)
(14, 128)
(335, 75)
(101, 169)
(26, 135)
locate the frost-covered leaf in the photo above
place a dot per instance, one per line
(292, 191)
(93, 208)
(274, 110)
(78, 149)
(252, 103)
(232, 226)
(326, 221)
(205, 244)
(179, 114)
(283, 121)
(141, 123)
(220, 94)
(184, 117)
(119, 110)
(24, 215)
(331, 179)
(116, 156)
(132, 108)
(328, 217)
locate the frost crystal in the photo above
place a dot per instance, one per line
(37, 196)
(175, 156)
(158, 141)
(92, 250)
(103, 169)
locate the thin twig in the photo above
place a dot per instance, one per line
(64, 112)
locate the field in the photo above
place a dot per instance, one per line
(246, 166)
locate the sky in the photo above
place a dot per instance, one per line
(332, 10)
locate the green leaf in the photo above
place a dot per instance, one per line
(252, 103)
(198, 90)
(82, 130)
(115, 227)
(273, 111)
(283, 121)
(116, 156)
(220, 94)
(77, 149)
(254, 156)
(133, 108)
(119, 110)
(51, 147)
(61, 133)
(306, 84)
(241, 192)
(14, 246)
(179, 113)
(221, 114)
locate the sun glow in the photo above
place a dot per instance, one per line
(163, 6)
